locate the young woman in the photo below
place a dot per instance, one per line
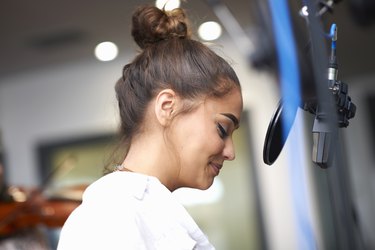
(179, 104)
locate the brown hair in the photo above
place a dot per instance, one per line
(169, 59)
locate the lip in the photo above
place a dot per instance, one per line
(216, 167)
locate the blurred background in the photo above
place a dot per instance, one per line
(58, 121)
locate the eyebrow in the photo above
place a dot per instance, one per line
(232, 118)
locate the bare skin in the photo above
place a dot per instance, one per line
(190, 149)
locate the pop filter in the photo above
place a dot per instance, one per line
(277, 133)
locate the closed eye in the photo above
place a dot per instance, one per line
(222, 132)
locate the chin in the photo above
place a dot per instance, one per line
(201, 183)
(205, 185)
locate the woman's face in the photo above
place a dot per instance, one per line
(202, 139)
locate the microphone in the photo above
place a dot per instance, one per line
(322, 134)
(322, 140)
(322, 137)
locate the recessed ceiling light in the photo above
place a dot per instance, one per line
(106, 51)
(209, 31)
(168, 4)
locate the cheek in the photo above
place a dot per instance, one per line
(196, 140)
(205, 144)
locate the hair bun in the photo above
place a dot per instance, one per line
(151, 25)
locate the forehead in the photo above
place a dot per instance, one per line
(228, 105)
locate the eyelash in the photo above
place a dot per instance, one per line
(222, 132)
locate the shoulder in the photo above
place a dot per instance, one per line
(117, 187)
(107, 217)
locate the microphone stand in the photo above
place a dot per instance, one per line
(332, 111)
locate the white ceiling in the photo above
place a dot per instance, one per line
(41, 33)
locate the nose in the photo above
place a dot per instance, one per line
(228, 151)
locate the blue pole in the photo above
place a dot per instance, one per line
(290, 91)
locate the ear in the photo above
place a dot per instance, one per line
(165, 104)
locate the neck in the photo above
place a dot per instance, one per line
(147, 156)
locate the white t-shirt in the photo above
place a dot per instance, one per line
(125, 210)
